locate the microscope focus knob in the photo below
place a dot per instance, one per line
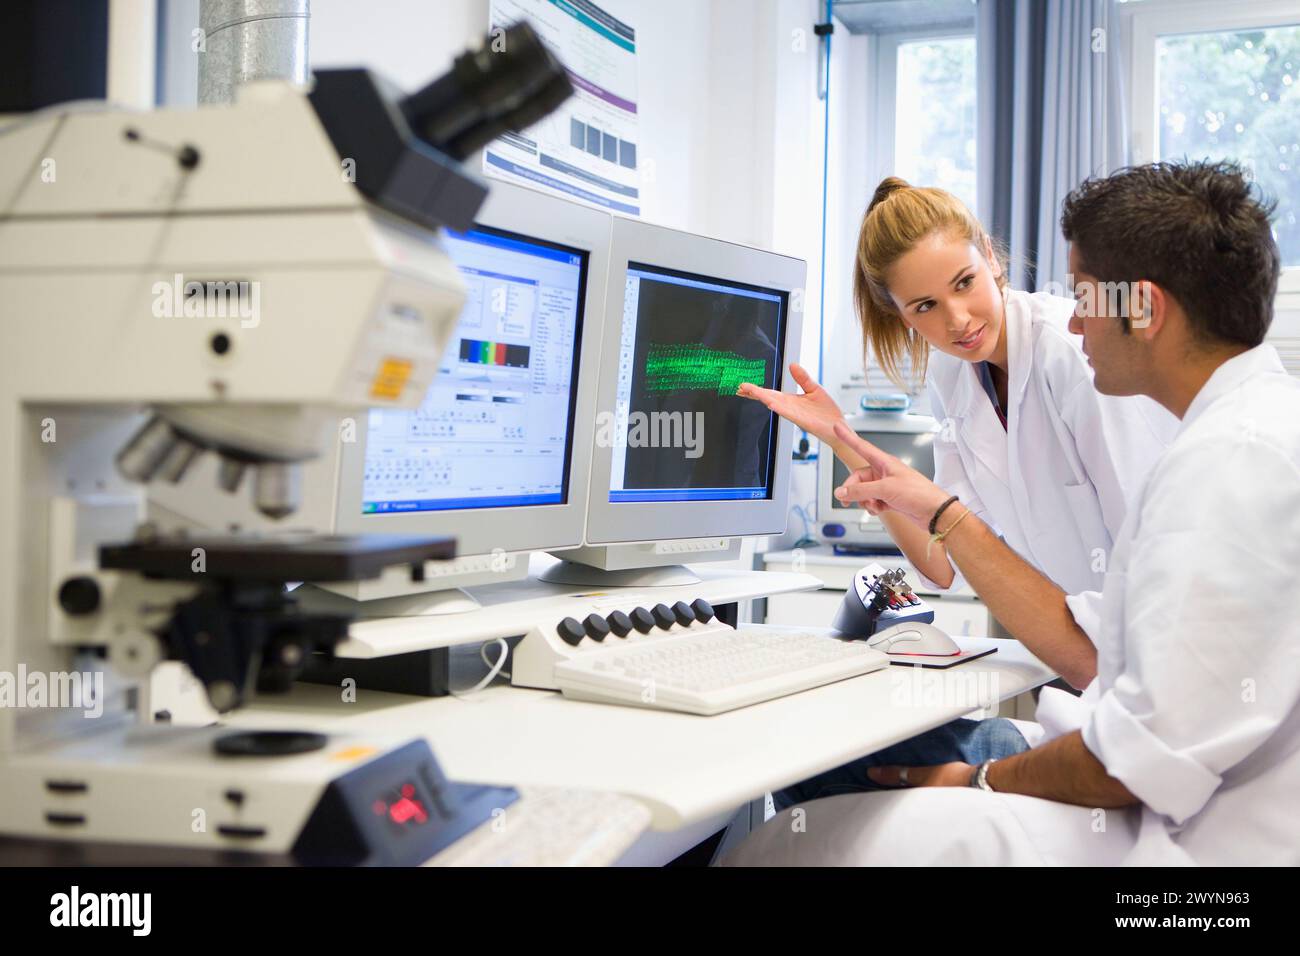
(642, 620)
(79, 596)
(664, 616)
(571, 631)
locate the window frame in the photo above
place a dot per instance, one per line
(1147, 21)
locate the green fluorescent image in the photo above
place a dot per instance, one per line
(694, 367)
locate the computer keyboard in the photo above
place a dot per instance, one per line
(713, 669)
(552, 827)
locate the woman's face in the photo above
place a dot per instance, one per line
(946, 290)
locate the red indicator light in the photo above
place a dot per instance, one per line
(405, 810)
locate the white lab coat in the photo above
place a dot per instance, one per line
(1196, 705)
(1057, 482)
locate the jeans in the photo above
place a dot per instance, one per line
(971, 741)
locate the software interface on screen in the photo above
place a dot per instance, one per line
(688, 342)
(495, 428)
(914, 449)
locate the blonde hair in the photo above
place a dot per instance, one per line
(899, 217)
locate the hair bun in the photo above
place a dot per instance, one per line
(888, 186)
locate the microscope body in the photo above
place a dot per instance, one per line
(218, 270)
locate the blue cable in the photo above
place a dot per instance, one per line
(826, 156)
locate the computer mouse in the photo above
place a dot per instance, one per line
(914, 639)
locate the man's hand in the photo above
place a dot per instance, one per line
(1063, 769)
(886, 484)
(955, 774)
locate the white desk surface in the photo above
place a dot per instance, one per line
(685, 768)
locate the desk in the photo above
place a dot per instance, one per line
(686, 769)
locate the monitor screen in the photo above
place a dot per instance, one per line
(496, 427)
(680, 431)
(914, 449)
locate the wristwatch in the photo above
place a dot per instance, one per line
(979, 778)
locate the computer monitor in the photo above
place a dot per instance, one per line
(497, 455)
(681, 466)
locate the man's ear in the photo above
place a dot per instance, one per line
(1148, 308)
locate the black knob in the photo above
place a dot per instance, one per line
(570, 631)
(664, 616)
(703, 610)
(619, 623)
(79, 596)
(682, 611)
(596, 627)
(642, 620)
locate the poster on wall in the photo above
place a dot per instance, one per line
(586, 149)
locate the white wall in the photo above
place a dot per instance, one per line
(411, 41)
(730, 124)
(731, 128)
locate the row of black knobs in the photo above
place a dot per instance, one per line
(572, 631)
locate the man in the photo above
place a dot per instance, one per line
(1186, 746)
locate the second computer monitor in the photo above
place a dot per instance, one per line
(677, 454)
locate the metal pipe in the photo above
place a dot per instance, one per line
(246, 40)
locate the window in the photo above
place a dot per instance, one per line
(1222, 81)
(923, 109)
(1237, 95)
(934, 114)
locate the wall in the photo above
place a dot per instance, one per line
(731, 125)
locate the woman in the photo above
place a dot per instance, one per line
(1025, 440)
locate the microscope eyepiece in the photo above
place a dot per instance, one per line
(509, 83)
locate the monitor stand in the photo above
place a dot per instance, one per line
(421, 604)
(424, 673)
(584, 575)
(638, 565)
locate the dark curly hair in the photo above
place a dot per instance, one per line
(1196, 229)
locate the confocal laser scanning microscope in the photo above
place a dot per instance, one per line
(229, 280)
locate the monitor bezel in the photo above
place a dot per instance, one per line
(633, 241)
(512, 528)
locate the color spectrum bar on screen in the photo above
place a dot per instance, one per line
(493, 353)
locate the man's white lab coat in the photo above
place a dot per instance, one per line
(1196, 705)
